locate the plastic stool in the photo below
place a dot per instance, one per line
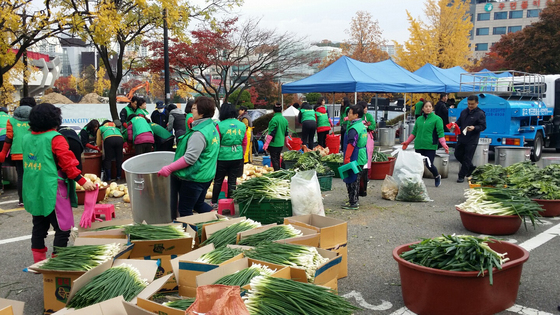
(349, 169)
(225, 187)
(104, 209)
(226, 204)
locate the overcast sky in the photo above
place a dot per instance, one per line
(328, 19)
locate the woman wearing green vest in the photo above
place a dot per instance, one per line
(88, 134)
(48, 164)
(163, 139)
(233, 140)
(324, 123)
(4, 118)
(308, 122)
(277, 136)
(195, 161)
(141, 134)
(189, 118)
(355, 150)
(110, 139)
(16, 128)
(428, 132)
(128, 110)
(142, 108)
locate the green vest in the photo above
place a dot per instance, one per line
(369, 117)
(204, 169)
(233, 133)
(307, 114)
(40, 175)
(139, 125)
(3, 123)
(129, 111)
(20, 128)
(107, 131)
(362, 142)
(280, 124)
(161, 132)
(343, 115)
(144, 112)
(322, 120)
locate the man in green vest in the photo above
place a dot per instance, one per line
(355, 150)
(277, 136)
(195, 161)
(110, 139)
(130, 109)
(308, 122)
(233, 140)
(163, 139)
(4, 118)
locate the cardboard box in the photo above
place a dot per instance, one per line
(115, 233)
(193, 220)
(211, 229)
(309, 237)
(147, 304)
(58, 284)
(332, 232)
(100, 224)
(212, 276)
(176, 246)
(115, 306)
(11, 307)
(165, 269)
(186, 269)
(79, 241)
(342, 250)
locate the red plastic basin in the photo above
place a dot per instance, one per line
(378, 170)
(490, 224)
(551, 207)
(440, 292)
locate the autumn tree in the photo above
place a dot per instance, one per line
(442, 40)
(536, 48)
(87, 80)
(364, 44)
(113, 25)
(102, 84)
(223, 60)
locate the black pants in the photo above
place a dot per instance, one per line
(232, 169)
(322, 138)
(113, 149)
(275, 157)
(431, 155)
(353, 189)
(364, 179)
(19, 171)
(41, 227)
(342, 132)
(187, 196)
(464, 154)
(308, 129)
(143, 148)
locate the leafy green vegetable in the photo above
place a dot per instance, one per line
(489, 175)
(333, 157)
(379, 156)
(291, 155)
(539, 184)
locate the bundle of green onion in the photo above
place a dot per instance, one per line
(456, 253)
(219, 255)
(228, 235)
(243, 277)
(153, 232)
(270, 295)
(181, 304)
(81, 258)
(289, 255)
(279, 232)
(200, 224)
(281, 174)
(121, 280)
(110, 227)
(501, 201)
(264, 187)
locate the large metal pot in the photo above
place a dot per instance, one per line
(441, 161)
(508, 155)
(386, 137)
(480, 156)
(149, 193)
(546, 161)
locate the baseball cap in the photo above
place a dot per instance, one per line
(159, 104)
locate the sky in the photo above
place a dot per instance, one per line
(328, 19)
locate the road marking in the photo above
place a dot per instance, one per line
(518, 309)
(541, 238)
(11, 210)
(19, 238)
(358, 296)
(403, 311)
(9, 201)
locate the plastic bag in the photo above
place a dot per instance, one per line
(390, 188)
(408, 163)
(218, 299)
(412, 187)
(305, 193)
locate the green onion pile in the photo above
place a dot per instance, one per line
(81, 258)
(289, 255)
(181, 304)
(122, 280)
(218, 256)
(200, 224)
(281, 174)
(228, 235)
(501, 201)
(110, 227)
(279, 232)
(456, 253)
(263, 187)
(243, 277)
(270, 295)
(153, 232)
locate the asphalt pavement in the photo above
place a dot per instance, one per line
(373, 232)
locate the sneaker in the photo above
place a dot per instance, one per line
(214, 206)
(20, 205)
(346, 204)
(438, 180)
(351, 207)
(460, 179)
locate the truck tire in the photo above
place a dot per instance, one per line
(536, 151)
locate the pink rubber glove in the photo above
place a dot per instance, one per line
(408, 141)
(287, 142)
(443, 144)
(267, 142)
(175, 166)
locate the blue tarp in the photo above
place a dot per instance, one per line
(349, 75)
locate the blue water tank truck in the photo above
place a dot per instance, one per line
(522, 109)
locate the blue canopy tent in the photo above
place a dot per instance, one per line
(451, 81)
(349, 75)
(492, 74)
